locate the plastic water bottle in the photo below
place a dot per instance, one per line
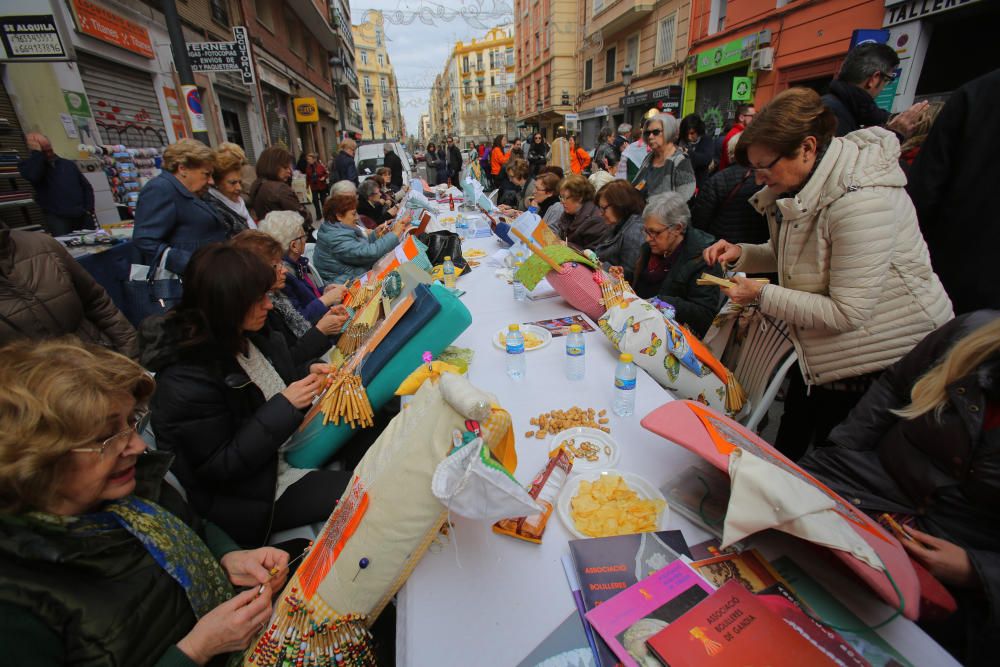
(516, 367)
(624, 405)
(576, 348)
(448, 269)
(520, 293)
(462, 227)
(533, 209)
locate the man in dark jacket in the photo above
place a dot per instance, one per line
(45, 293)
(722, 207)
(867, 69)
(453, 162)
(61, 190)
(958, 215)
(395, 166)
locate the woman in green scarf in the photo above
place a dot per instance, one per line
(101, 560)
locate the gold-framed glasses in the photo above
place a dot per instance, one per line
(116, 444)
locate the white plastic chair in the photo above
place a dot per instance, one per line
(762, 362)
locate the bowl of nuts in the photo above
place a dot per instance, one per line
(591, 449)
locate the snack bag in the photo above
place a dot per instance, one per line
(544, 490)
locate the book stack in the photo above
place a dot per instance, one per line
(649, 604)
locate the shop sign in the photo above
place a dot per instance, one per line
(94, 20)
(306, 110)
(28, 37)
(670, 96)
(224, 56)
(726, 54)
(174, 110)
(596, 112)
(742, 89)
(911, 10)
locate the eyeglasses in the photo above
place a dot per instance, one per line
(651, 133)
(119, 441)
(565, 197)
(889, 76)
(766, 167)
(604, 209)
(653, 233)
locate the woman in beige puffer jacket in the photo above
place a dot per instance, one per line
(855, 283)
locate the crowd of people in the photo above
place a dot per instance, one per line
(894, 402)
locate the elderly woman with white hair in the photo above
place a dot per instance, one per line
(671, 261)
(303, 286)
(667, 168)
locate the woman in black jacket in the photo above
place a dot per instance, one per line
(538, 153)
(699, 148)
(722, 207)
(229, 394)
(924, 445)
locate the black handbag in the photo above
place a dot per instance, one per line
(156, 292)
(444, 244)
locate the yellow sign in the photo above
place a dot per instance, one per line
(306, 110)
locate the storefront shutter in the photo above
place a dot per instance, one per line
(124, 103)
(12, 187)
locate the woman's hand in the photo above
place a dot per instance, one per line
(301, 393)
(227, 628)
(333, 294)
(251, 568)
(722, 252)
(746, 291)
(393, 211)
(948, 562)
(401, 225)
(333, 321)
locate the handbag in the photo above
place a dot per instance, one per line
(444, 244)
(152, 289)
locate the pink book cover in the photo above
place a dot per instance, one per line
(640, 611)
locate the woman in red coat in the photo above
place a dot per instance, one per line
(579, 159)
(319, 182)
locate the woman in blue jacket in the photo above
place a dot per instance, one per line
(345, 249)
(170, 210)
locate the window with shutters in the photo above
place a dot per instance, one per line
(588, 74)
(368, 85)
(220, 11)
(610, 61)
(632, 53)
(383, 85)
(294, 31)
(364, 57)
(385, 106)
(665, 33)
(356, 105)
(717, 17)
(510, 56)
(265, 14)
(378, 37)
(381, 60)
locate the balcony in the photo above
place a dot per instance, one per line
(618, 15)
(341, 24)
(313, 19)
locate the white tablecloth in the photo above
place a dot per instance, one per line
(485, 599)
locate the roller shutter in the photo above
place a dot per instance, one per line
(13, 188)
(124, 103)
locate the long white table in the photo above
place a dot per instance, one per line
(485, 599)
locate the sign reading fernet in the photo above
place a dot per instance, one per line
(94, 20)
(224, 56)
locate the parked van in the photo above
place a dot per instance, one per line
(369, 157)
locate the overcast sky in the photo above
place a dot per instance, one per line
(418, 51)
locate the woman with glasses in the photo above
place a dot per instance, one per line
(670, 263)
(855, 283)
(229, 395)
(666, 167)
(303, 286)
(546, 198)
(621, 206)
(226, 194)
(304, 339)
(171, 213)
(581, 224)
(101, 560)
(538, 153)
(345, 249)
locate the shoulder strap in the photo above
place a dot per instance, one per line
(732, 193)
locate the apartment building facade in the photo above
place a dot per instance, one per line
(377, 78)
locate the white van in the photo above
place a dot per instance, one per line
(369, 157)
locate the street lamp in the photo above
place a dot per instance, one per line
(538, 108)
(370, 108)
(627, 74)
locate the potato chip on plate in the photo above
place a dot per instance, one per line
(609, 502)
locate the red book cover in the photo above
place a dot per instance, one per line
(732, 628)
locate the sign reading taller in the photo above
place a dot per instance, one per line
(224, 56)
